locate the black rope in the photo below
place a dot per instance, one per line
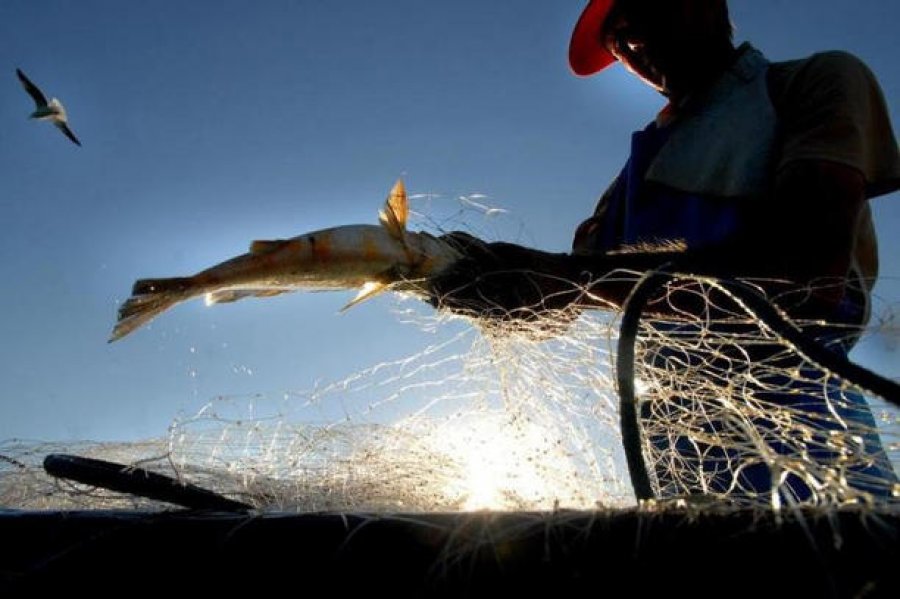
(757, 306)
(138, 481)
(629, 420)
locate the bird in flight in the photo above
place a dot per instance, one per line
(52, 111)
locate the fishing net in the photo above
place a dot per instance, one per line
(470, 422)
(733, 400)
(487, 418)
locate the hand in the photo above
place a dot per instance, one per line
(471, 284)
(503, 281)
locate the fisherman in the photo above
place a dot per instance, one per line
(756, 170)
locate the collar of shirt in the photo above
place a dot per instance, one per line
(748, 62)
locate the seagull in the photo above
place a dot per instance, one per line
(44, 110)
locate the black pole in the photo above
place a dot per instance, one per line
(138, 481)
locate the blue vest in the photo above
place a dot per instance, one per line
(687, 181)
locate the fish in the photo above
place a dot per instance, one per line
(370, 258)
(52, 111)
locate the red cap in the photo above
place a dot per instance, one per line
(587, 54)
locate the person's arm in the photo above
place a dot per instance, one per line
(505, 281)
(803, 236)
(838, 150)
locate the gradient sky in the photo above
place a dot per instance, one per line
(209, 124)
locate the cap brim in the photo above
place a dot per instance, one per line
(587, 54)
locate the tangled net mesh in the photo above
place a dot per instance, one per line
(730, 408)
(519, 421)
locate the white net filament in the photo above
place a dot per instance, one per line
(484, 418)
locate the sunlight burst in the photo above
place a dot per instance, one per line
(504, 462)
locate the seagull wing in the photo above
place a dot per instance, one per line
(65, 129)
(32, 89)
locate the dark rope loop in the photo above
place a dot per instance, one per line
(625, 354)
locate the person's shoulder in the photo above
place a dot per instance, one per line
(827, 64)
(827, 58)
(825, 70)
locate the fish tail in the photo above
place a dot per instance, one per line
(150, 297)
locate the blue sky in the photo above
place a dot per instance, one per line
(209, 124)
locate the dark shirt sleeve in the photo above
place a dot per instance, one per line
(831, 107)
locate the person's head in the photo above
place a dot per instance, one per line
(672, 45)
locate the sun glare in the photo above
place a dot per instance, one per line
(504, 463)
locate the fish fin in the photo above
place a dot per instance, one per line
(149, 298)
(233, 295)
(267, 246)
(369, 290)
(396, 211)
